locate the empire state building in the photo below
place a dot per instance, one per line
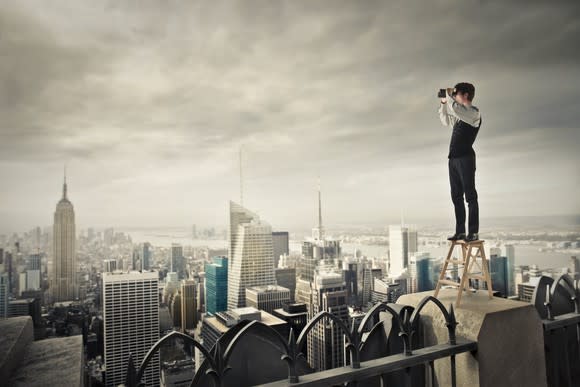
(64, 279)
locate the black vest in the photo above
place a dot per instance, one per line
(462, 139)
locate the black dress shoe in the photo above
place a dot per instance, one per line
(472, 237)
(456, 236)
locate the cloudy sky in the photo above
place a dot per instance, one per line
(149, 102)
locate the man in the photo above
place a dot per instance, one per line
(457, 111)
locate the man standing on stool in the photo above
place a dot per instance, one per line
(457, 111)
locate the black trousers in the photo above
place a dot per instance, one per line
(462, 181)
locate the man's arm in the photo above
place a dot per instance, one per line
(459, 111)
(446, 118)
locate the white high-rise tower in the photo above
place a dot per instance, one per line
(251, 254)
(402, 243)
(64, 278)
(131, 323)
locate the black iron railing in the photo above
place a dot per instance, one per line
(558, 303)
(218, 366)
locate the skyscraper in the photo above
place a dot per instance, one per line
(146, 256)
(189, 310)
(510, 254)
(419, 272)
(402, 242)
(286, 277)
(177, 260)
(3, 295)
(268, 297)
(33, 272)
(326, 340)
(317, 252)
(281, 245)
(498, 267)
(64, 278)
(131, 323)
(216, 285)
(251, 257)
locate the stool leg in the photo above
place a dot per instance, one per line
(444, 269)
(466, 268)
(464, 277)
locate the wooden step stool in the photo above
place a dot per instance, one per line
(470, 252)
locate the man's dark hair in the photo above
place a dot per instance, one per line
(464, 87)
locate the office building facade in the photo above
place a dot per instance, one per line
(131, 323)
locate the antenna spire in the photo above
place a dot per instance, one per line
(320, 229)
(64, 184)
(241, 180)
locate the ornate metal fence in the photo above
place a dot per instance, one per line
(218, 364)
(558, 304)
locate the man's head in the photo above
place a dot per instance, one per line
(464, 93)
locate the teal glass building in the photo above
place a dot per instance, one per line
(216, 285)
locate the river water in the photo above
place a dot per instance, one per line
(526, 254)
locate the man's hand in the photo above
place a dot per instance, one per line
(443, 100)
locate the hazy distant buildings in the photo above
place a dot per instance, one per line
(109, 236)
(251, 259)
(402, 243)
(110, 265)
(267, 297)
(216, 285)
(280, 245)
(131, 323)
(64, 285)
(574, 267)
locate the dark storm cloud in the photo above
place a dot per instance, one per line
(162, 95)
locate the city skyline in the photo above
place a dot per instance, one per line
(149, 107)
(263, 192)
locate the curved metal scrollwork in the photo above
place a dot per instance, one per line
(569, 287)
(352, 345)
(289, 355)
(407, 321)
(136, 379)
(449, 316)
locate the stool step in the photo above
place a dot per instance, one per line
(449, 282)
(457, 261)
(475, 276)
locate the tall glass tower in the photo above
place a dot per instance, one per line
(251, 254)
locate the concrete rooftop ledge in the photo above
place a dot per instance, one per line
(52, 362)
(25, 362)
(16, 333)
(509, 335)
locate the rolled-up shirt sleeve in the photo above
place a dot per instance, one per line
(446, 118)
(469, 115)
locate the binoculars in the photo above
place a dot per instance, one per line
(442, 93)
